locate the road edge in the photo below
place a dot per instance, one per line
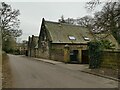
(104, 76)
(54, 63)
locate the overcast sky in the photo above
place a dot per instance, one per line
(33, 12)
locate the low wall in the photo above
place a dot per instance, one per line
(110, 59)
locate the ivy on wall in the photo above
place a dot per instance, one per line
(95, 52)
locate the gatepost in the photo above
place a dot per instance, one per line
(66, 54)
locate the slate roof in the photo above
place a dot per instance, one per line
(61, 33)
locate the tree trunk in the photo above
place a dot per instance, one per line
(0, 53)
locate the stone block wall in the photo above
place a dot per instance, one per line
(60, 53)
(57, 54)
(110, 59)
(43, 54)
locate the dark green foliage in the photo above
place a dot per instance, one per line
(105, 44)
(95, 51)
(7, 45)
(16, 52)
(94, 54)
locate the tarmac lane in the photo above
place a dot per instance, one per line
(30, 73)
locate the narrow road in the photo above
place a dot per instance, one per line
(30, 73)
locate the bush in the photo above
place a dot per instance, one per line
(94, 54)
(95, 51)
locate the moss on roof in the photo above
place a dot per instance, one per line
(108, 37)
(60, 33)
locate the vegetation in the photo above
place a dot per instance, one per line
(95, 50)
(105, 21)
(94, 54)
(108, 19)
(62, 20)
(105, 44)
(9, 26)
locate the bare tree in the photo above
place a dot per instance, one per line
(90, 6)
(62, 20)
(9, 23)
(108, 19)
(86, 21)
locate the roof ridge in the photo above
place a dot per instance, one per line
(64, 23)
(52, 22)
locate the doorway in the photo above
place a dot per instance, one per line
(85, 57)
(74, 56)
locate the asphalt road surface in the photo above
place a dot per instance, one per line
(30, 73)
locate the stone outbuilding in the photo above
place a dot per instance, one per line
(64, 42)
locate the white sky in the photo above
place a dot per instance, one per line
(33, 12)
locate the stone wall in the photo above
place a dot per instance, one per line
(71, 46)
(43, 54)
(110, 59)
(57, 54)
(32, 52)
(60, 53)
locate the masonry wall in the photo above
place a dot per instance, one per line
(32, 52)
(110, 59)
(57, 54)
(58, 51)
(43, 52)
(71, 46)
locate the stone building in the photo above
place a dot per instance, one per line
(32, 46)
(64, 42)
